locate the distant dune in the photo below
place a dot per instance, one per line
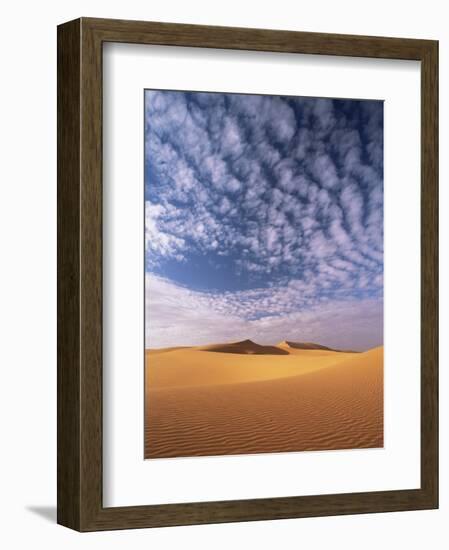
(242, 398)
(309, 346)
(246, 347)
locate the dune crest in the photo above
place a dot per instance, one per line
(310, 346)
(245, 347)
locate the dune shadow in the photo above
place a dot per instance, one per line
(246, 347)
(251, 352)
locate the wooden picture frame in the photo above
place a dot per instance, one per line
(80, 503)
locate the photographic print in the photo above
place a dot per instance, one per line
(263, 274)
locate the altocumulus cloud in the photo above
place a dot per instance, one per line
(264, 219)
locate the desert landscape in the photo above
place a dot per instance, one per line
(244, 398)
(264, 270)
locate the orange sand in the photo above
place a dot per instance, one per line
(213, 400)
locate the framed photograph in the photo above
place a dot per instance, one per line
(247, 274)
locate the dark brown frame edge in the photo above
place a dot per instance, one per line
(80, 274)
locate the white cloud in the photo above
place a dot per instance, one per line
(160, 242)
(177, 316)
(292, 186)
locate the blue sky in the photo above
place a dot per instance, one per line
(263, 219)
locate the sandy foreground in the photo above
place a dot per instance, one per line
(244, 398)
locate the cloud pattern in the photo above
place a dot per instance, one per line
(263, 209)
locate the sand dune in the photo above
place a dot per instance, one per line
(309, 346)
(203, 401)
(245, 347)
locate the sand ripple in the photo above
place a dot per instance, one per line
(335, 406)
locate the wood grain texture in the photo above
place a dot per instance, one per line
(69, 408)
(80, 274)
(429, 271)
